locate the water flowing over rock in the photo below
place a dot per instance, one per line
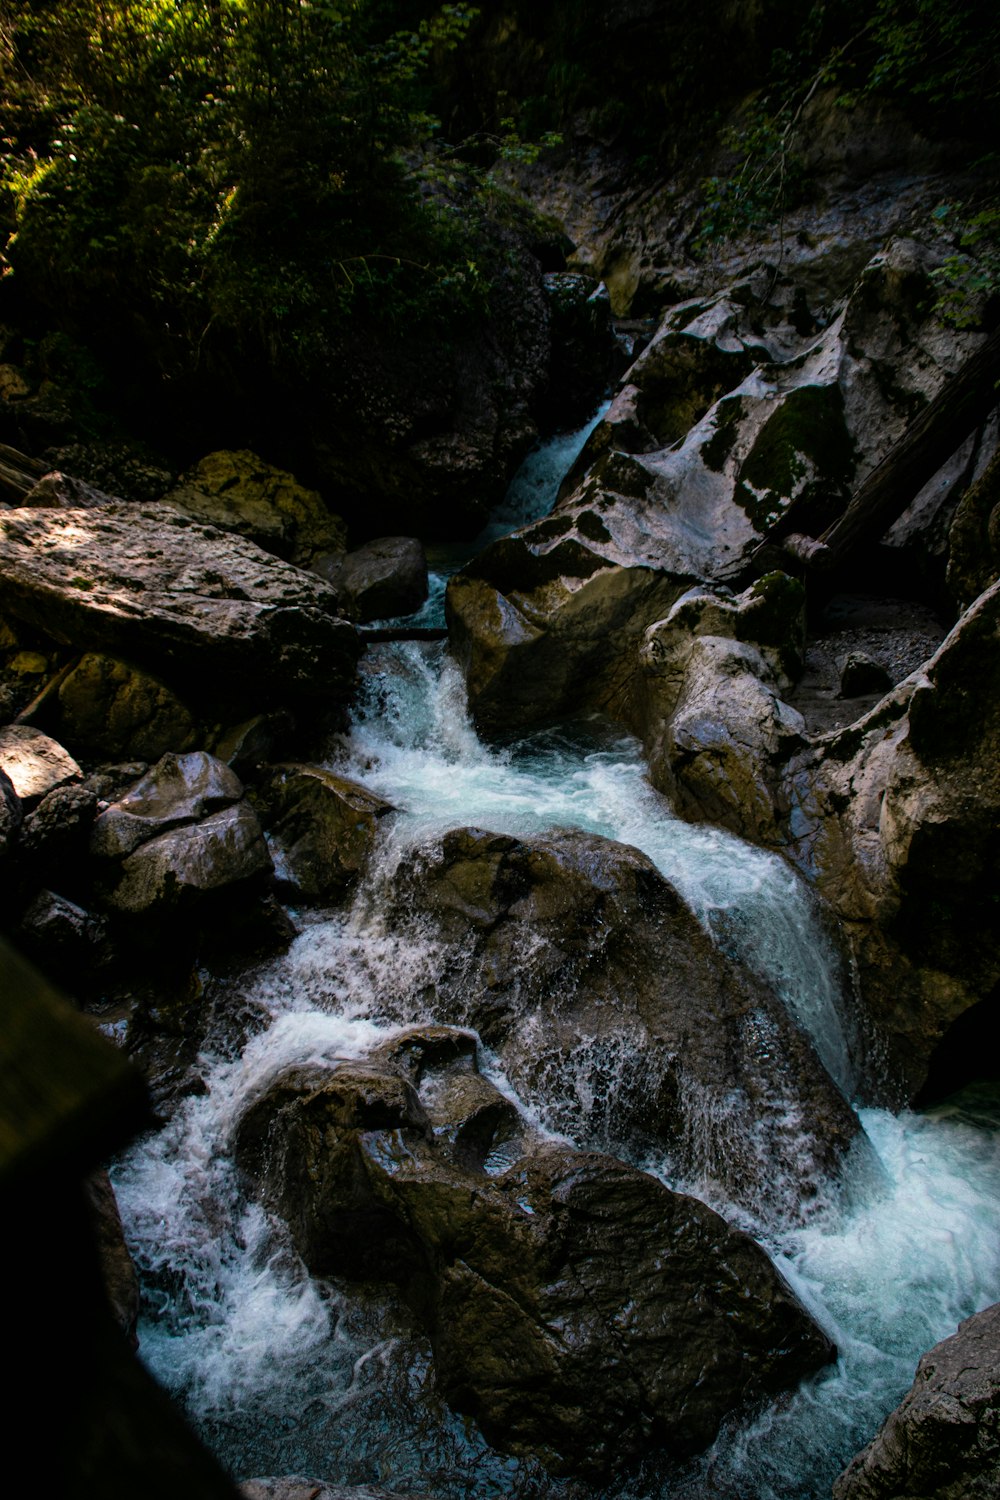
(578, 1309)
(944, 1437)
(176, 598)
(582, 968)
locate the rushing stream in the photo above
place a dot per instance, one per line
(285, 1375)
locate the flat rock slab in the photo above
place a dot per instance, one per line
(34, 762)
(178, 597)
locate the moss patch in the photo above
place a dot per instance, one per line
(728, 415)
(803, 453)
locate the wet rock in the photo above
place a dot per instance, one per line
(179, 789)
(253, 742)
(383, 578)
(944, 1437)
(111, 782)
(34, 762)
(176, 868)
(735, 425)
(519, 1277)
(109, 709)
(895, 819)
(321, 828)
(595, 985)
(421, 1050)
(178, 599)
(121, 1281)
(717, 730)
(237, 491)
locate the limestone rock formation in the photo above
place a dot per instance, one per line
(178, 599)
(717, 731)
(519, 1275)
(943, 1440)
(895, 819)
(740, 421)
(593, 982)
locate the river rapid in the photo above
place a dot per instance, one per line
(285, 1375)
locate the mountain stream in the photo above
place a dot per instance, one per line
(285, 1375)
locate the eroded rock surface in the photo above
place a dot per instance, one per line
(177, 598)
(385, 577)
(521, 1276)
(604, 998)
(943, 1440)
(895, 819)
(741, 421)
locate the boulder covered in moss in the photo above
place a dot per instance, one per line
(237, 491)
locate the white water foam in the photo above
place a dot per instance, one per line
(287, 1376)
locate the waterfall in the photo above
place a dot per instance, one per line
(286, 1375)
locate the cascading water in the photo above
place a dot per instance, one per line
(284, 1375)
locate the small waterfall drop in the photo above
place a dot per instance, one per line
(286, 1375)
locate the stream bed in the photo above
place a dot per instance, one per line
(285, 1375)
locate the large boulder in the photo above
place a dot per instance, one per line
(943, 1440)
(739, 422)
(608, 1003)
(237, 491)
(578, 1309)
(179, 599)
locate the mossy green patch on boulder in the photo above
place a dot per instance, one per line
(237, 491)
(802, 454)
(110, 710)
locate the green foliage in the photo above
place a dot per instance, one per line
(937, 59)
(249, 167)
(969, 279)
